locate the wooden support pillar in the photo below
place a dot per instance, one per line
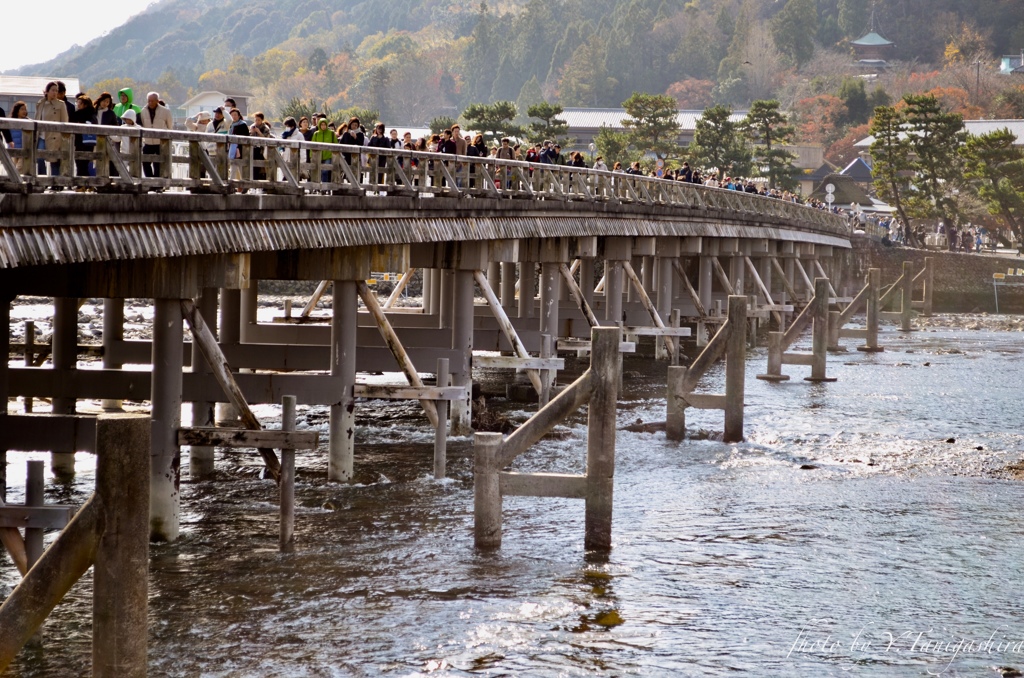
(735, 369)
(462, 341)
(165, 455)
(907, 297)
(447, 308)
(675, 424)
(435, 291)
(113, 330)
(494, 274)
(664, 268)
(120, 602)
(550, 292)
(819, 337)
(5, 390)
(342, 426)
(527, 288)
(486, 491)
(705, 278)
(929, 286)
(200, 457)
(441, 430)
(64, 346)
(286, 538)
(229, 333)
(613, 291)
(872, 312)
(587, 280)
(606, 368)
(508, 285)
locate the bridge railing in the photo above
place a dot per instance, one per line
(132, 159)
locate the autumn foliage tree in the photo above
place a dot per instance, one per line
(819, 119)
(692, 94)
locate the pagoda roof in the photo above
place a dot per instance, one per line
(872, 39)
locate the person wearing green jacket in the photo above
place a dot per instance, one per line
(125, 97)
(324, 135)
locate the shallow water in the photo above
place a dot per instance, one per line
(845, 537)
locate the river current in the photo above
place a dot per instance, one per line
(865, 527)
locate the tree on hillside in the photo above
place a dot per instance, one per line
(768, 129)
(935, 137)
(718, 142)
(995, 167)
(891, 164)
(584, 77)
(692, 94)
(653, 123)
(549, 125)
(493, 120)
(794, 28)
(853, 16)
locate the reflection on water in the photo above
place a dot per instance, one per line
(845, 537)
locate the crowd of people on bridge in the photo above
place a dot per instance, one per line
(228, 119)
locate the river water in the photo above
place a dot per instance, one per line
(865, 527)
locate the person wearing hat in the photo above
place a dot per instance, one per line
(198, 122)
(128, 119)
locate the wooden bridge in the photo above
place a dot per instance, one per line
(518, 263)
(550, 250)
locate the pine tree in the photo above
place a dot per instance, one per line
(995, 166)
(717, 143)
(653, 122)
(768, 129)
(891, 165)
(935, 137)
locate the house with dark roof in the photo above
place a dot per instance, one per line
(859, 171)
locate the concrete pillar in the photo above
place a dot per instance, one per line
(705, 272)
(435, 290)
(113, 330)
(229, 332)
(200, 457)
(647, 274)
(447, 297)
(342, 427)
(65, 357)
(606, 367)
(527, 288)
(508, 285)
(462, 341)
(165, 457)
(494, 274)
(120, 601)
(550, 293)
(665, 288)
(587, 281)
(427, 301)
(735, 369)
(249, 304)
(486, 491)
(765, 269)
(637, 262)
(613, 291)
(737, 274)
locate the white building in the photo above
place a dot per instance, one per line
(30, 90)
(207, 101)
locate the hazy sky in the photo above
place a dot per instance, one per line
(38, 31)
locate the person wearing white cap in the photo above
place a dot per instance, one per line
(153, 116)
(127, 120)
(198, 122)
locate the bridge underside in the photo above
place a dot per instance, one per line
(518, 278)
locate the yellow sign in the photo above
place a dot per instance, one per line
(999, 276)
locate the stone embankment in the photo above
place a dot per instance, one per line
(963, 281)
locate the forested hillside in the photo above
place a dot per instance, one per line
(415, 59)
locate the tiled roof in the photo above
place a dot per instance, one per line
(975, 127)
(595, 118)
(872, 39)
